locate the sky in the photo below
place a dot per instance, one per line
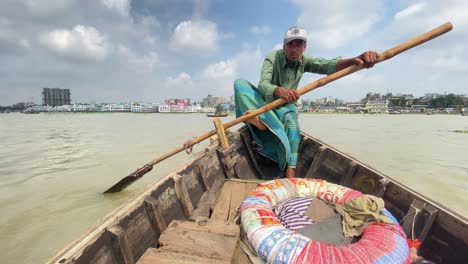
(108, 51)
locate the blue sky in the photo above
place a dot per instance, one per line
(151, 50)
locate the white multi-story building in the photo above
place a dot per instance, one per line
(164, 109)
(62, 108)
(136, 108)
(190, 109)
(116, 108)
(378, 106)
(177, 109)
(83, 108)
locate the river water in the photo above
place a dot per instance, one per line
(54, 167)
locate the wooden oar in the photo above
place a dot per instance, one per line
(311, 86)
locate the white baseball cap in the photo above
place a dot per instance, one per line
(295, 33)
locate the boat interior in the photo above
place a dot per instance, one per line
(191, 215)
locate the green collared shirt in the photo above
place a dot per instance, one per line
(276, 72)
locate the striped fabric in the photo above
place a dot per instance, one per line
(280, 142)
(291, 213)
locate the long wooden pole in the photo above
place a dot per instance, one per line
(388, 54)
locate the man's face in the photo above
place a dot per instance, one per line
(294, 50)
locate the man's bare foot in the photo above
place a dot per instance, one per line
(256, 121)
(290, 173)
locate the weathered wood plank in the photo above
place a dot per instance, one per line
(215, 227)
(237, 196)
(322, 152)
(224, 201)
(139, 231)
(202, 178)
(199, 243)
(183, 195)
(121, 245)
(153, 208)
(239, 256)
(224, 144)
(160, 256)
(247, 140)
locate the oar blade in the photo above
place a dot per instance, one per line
(123, 183)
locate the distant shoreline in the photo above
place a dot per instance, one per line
(232, 113)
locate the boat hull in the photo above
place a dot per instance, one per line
(192, 190)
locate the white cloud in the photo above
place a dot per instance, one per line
(148, 22)
(260, 30)
(333, 24)
(122, 7)
(78, 43)
(418, 18)
(223, 69)
(46, 7)
(183, 79)
(441, 60)
(411, 10)
(24, 43)
(218, 78)
(139, 64)
(191, 37)
(178, 86)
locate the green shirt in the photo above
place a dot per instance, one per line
(276, 72)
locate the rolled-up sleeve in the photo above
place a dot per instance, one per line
(319, 65)
(265, 86)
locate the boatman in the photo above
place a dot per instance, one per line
(277, 132)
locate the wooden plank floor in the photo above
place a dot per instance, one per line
(216, 241)
(230, 198)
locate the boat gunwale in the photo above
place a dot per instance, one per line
(417, 194)
(93, 233)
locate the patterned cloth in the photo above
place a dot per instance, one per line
(291, 213)
(280, 142)
(380, 242)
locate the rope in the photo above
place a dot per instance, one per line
(414, 243)
(188, 145)
(416, 212)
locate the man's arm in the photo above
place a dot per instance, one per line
(265, 87)
(270, 91)
(368, 58)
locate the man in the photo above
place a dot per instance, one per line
(277, 132)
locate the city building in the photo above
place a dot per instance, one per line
(143, 108)
(55, 96)
(355, 107)
(212, 101)
(116, 108)
(177, 102)
(372, 97)
(164, 109)
(377, 106)
(83, 108)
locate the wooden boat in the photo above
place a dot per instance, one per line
(189, 214)
(217, 115)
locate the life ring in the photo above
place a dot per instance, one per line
(379, 243)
